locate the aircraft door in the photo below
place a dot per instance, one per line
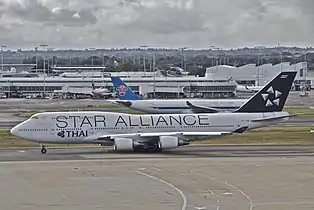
(150, 104)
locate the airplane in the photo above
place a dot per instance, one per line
(159, 132)
(94, 92)
(101, 92)
(248, 89)
(129, 99)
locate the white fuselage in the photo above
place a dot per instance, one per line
(177, 106)
(101, 91)
(81, 127)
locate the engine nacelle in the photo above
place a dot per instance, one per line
(123, 144)
(169, 142)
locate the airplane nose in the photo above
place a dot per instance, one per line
(14, 130)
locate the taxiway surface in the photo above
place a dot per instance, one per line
(235, 178)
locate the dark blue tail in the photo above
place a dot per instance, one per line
(122, 90)
(272, 97)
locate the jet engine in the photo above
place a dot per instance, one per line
(123, 144)
(169, 142)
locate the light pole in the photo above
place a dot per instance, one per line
(154, 70)
(92, 61)
(2, 47)
(184, 58)
(144, 61)
(44, 49)
(49, 49)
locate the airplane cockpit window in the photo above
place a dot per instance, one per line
(34, 117)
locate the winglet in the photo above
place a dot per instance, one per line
(122, 90)
(272, 97)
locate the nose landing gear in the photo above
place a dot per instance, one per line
(43, 150)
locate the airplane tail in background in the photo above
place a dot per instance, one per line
(272, 97)
(122, 90)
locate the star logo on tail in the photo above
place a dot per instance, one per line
(271, 97)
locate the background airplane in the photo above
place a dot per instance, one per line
(94, 92)
(248, 89)
(158, 106)
(100, 92)
(157, 132)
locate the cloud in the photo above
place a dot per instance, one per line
(166, 23)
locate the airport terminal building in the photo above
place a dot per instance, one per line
(218, 82)
(163, 87)
(259, 75)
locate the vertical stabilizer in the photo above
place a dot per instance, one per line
(272, 97)
(122, 90)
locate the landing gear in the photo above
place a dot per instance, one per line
(43, 150)
(148, 149)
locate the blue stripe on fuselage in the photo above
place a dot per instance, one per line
(186, 107)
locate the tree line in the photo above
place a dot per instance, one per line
(194, 65)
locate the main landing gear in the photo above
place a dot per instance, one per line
(148, 148)
(43, 150)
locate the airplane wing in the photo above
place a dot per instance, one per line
(273, 118)
(148, 136)
(201, 109)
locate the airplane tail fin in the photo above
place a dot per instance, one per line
(122, 90)
(272, 97)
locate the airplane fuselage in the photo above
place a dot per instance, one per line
(80, 127)
(177, 106)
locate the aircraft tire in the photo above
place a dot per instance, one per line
(43, 150)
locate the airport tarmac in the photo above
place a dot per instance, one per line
(235, 178)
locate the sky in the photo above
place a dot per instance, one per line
(156, 23)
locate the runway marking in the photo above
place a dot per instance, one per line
(226, 183)
(217, 200)
(184, 206)
(157, 169)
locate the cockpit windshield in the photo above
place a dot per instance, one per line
(34, 117)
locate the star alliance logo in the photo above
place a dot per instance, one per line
(274, 100)
(61, 134)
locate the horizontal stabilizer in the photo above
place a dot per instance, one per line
(201, 109)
